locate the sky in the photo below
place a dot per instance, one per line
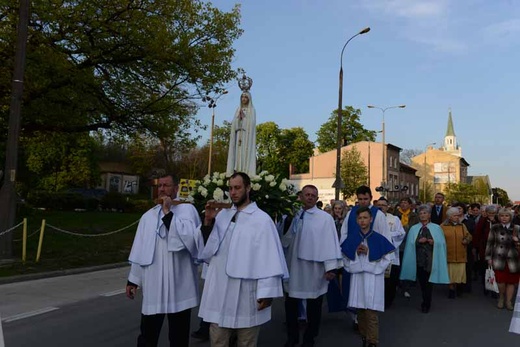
(431, 55)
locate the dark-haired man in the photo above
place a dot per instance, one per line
(438, 209)
(246, 266)
(163, 254)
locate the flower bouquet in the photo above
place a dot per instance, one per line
(274, 195)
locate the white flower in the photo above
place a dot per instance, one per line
(204, 193)
(263, 173)
(256, 178)
(216, 175)
(222, 175)
(190, 199)
(207, 177)
(272, 184)
(284, 180)
(201, 189)
(282, 187)
(269, 178)
(267, 196)
(220, 183)
(207, 181)
(214, 180)
(218, 194)
(256, 186)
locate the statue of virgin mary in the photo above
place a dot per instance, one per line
(242, 140)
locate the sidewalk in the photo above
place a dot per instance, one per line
(31, 297)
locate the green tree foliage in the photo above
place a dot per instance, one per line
(277, 149)
(121, 65)
(62, 161)
(354, 172)
(500, 196)
(351, 131)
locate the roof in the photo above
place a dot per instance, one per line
(450, 131)
(406, 167)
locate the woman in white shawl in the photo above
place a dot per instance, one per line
(242, 140)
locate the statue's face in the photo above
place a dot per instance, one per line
(244, 99)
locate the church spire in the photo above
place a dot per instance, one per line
(450, 131)
(450, 140)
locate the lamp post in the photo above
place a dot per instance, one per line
(383, 154)
(212, 105)
(338, 183)
(424, 174)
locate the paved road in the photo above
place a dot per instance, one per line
(90, 309)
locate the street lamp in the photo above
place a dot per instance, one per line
(338, 184)
(212, 105)
(383, 154)
(424, 173)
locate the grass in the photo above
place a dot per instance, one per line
(61, 251)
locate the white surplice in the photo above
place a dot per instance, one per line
(245, 264)
(367, 282)
(312, 249)
(398, 234)
(163, 261)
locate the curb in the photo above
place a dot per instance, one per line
(57, 273)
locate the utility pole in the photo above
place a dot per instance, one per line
(8, 191)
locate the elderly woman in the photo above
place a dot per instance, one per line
(502, 255)
(425, 256)
(339, 211)
(457, 240)
(486, 221)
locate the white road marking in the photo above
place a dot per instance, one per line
(29, 314)
(115, 292)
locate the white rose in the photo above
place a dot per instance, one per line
(190, 199)
(263, 173)
(269, 178)
(220, 183)
(214, 180)
(284, 180)
(207, 181)
(222, 175)
(256, 178)
(267, 196)
(256, 186)
(216, 175)
(200, 189)
(282, 187)
(204, 193)
(218, 194)
(272, 184)
(207, 177)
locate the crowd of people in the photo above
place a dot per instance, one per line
(358, 257)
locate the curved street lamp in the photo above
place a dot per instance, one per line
(212, 105)
(338, 183)
(383, 155)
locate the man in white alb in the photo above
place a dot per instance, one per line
(313, 255)
(246, 267)
(166, 245)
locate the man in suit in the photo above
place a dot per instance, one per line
(438, 209)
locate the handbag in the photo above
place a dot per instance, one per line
(490, 281)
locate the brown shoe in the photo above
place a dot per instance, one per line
(510, 306)
(500, 302)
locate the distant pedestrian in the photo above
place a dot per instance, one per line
(438, 209)
(163, 256)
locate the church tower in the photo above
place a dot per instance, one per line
(450, 140)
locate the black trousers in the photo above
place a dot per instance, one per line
(391, 285)
(426, 287)
(178, 328)
(313, 319)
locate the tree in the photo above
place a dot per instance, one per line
(128, 66)
(461, 192)
(354, 172)
(278, 149)
(500, 196)
(351, 130)
(406, 155)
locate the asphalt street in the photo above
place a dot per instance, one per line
(91, 310)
